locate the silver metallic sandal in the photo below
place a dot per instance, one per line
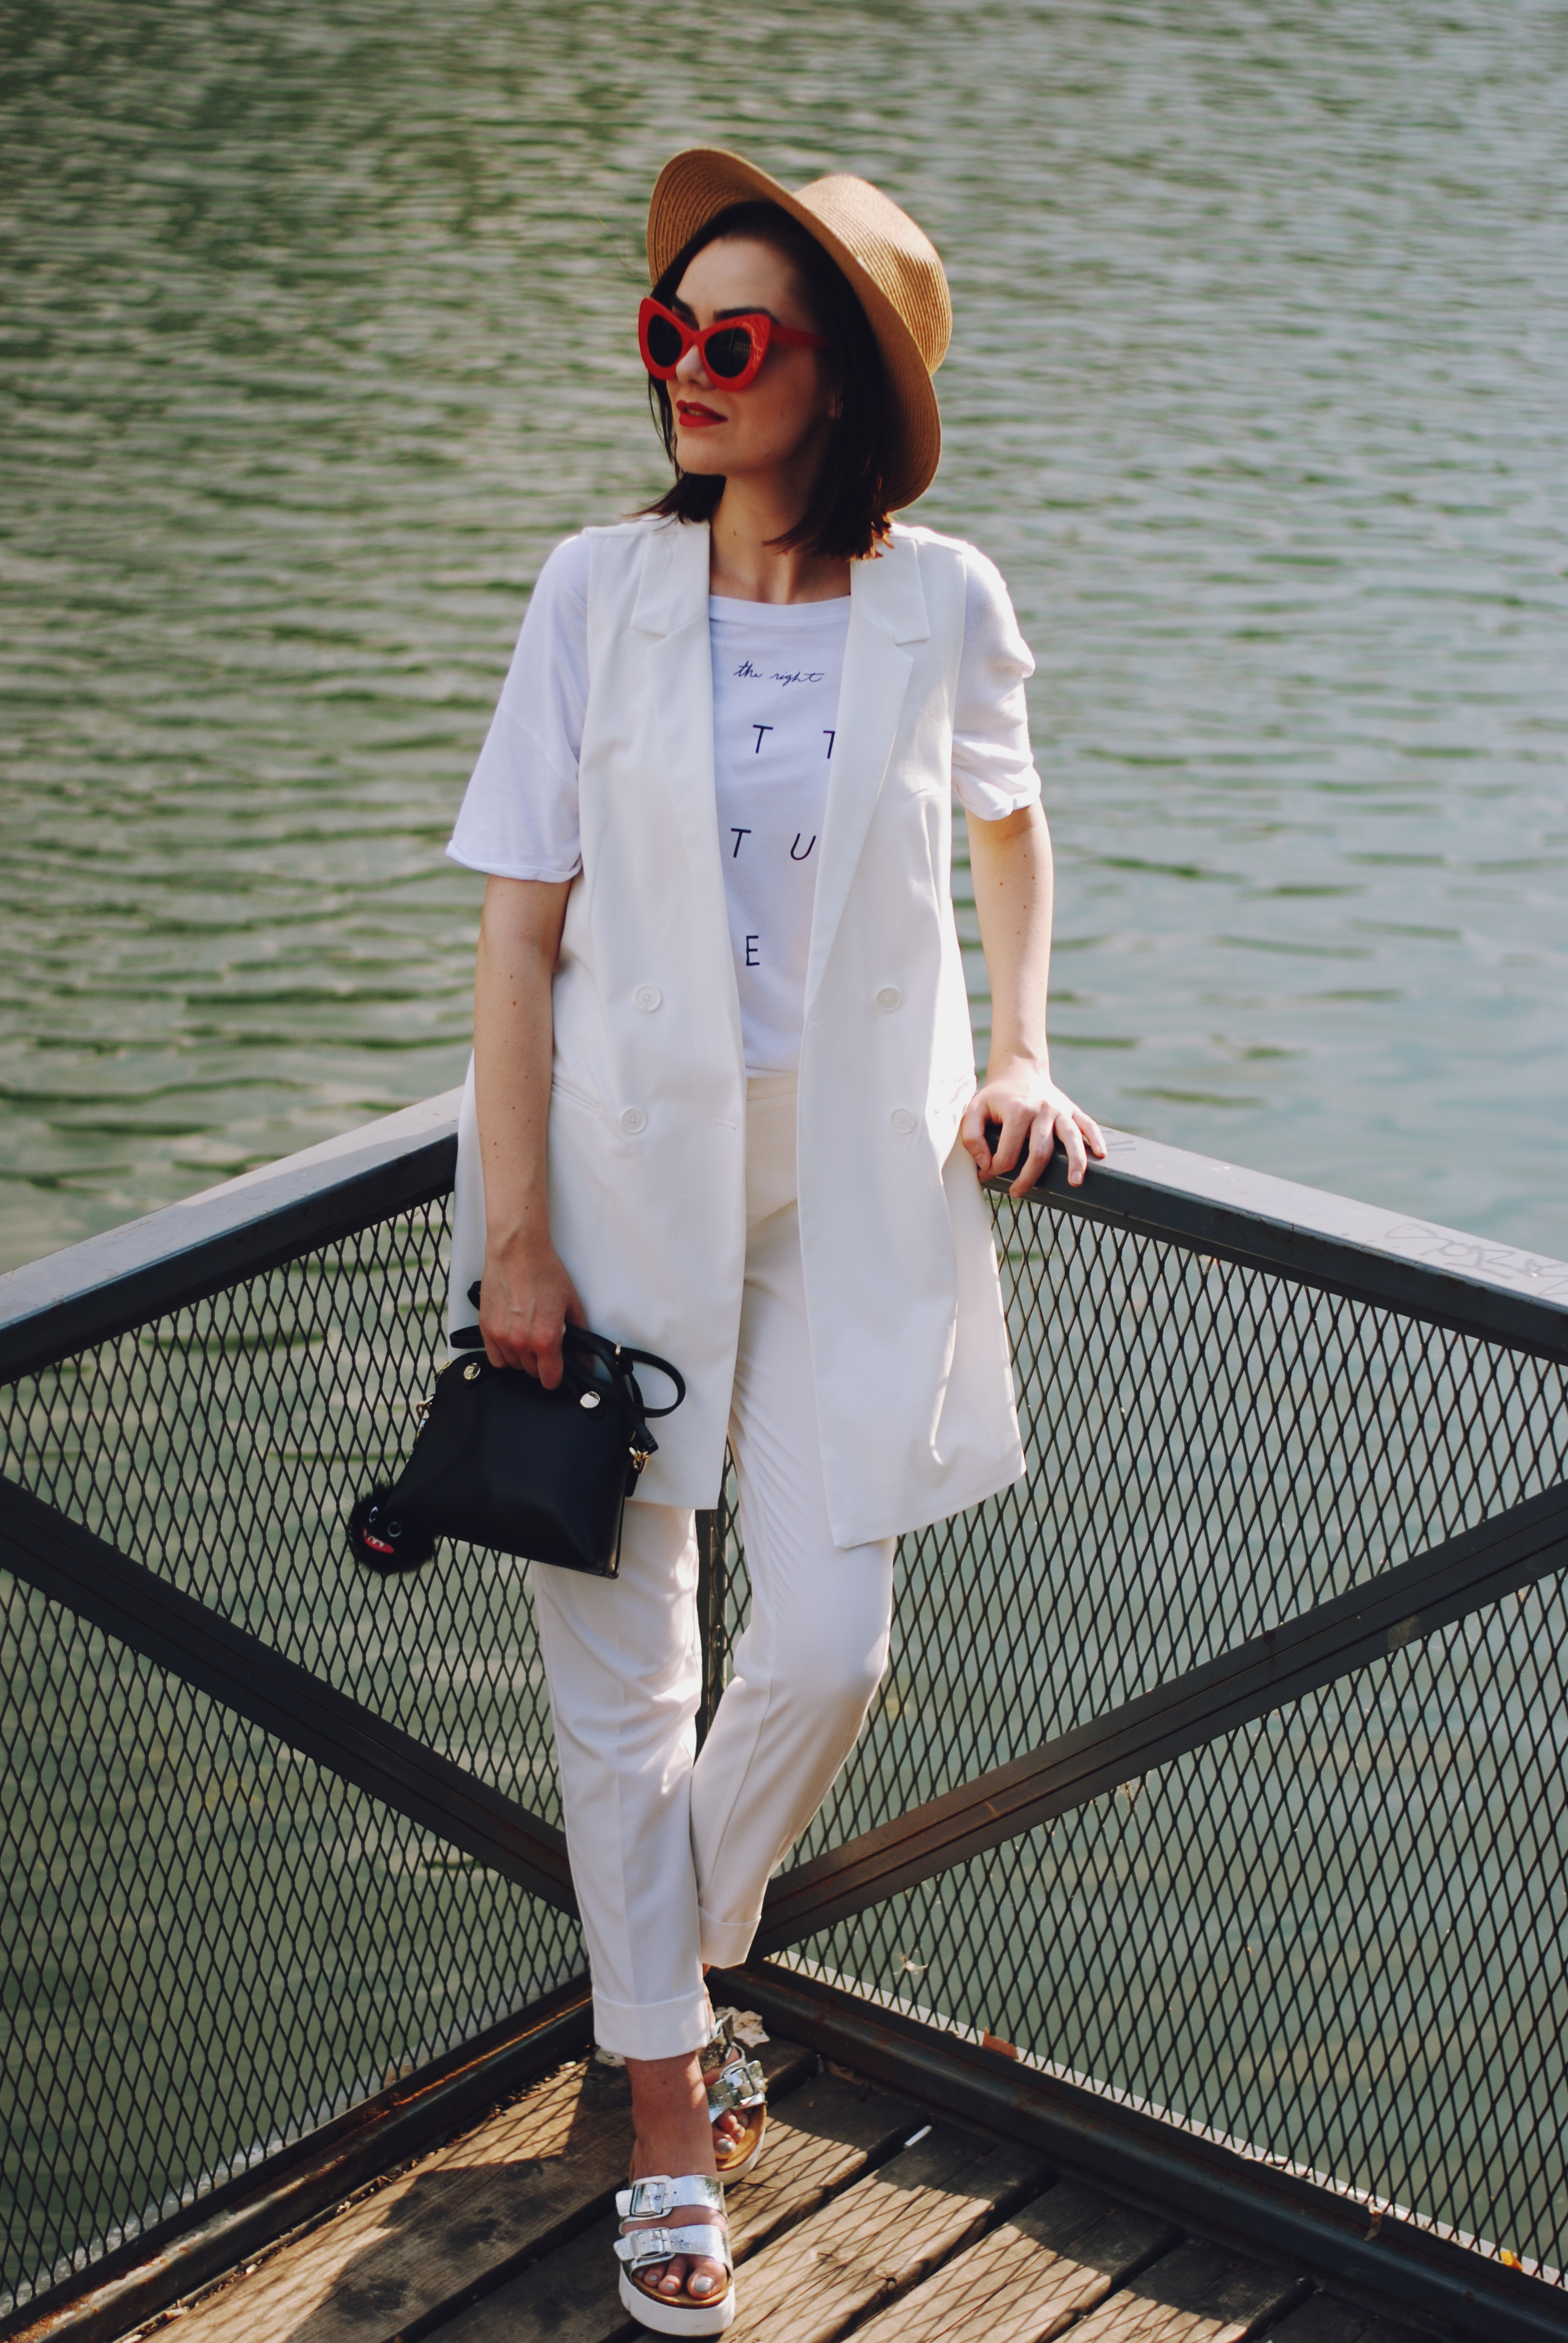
(736, 2086)
(635, 2248)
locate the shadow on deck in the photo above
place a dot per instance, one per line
(872, 2214)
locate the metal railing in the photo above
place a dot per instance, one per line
(1218, 1771)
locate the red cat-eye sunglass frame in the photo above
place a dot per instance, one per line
(746, 338)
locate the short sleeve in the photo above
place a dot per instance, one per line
(993, 769)
(518, 817)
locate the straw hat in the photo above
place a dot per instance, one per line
(890, 262)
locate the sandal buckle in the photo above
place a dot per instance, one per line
(741, 2084)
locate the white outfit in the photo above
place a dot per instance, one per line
(670, 1862)
(817, 1259)
(776, 676)
(647, 1143)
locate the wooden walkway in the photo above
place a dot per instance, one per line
(865, 2217)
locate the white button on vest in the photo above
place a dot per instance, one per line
(647, 998)
(889, 997)
(902, 1121)
(633, 1118)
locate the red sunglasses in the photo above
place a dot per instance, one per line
(732, 351)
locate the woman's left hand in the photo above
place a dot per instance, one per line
(1033, 1113)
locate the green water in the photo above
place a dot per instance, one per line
(316, 334)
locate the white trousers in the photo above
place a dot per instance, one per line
(669, 1857)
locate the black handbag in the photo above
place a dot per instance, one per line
(500, 1462)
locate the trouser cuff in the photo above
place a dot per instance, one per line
(725, 1942)
(659, 2029)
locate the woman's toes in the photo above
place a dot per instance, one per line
(697, 2280)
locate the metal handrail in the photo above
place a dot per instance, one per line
(98, 1288)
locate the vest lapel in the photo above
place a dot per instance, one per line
(886, 608)
(673, 604)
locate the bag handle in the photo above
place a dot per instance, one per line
(620, 1358)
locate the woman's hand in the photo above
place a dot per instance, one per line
(526, 1302)
(1033, 1113)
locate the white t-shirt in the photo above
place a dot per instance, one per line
(773, 728)
(776, 673)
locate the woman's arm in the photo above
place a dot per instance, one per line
(1009, 862)
(526, 1296)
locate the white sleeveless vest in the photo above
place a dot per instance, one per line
(647, 1120)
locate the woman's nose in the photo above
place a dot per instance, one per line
(692, 371)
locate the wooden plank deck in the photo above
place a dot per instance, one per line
(866, 2217)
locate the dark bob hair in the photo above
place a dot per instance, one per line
(847, 514)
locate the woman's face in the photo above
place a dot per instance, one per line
(780, 421)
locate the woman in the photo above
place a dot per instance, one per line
(723, 1102)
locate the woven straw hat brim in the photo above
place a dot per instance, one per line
(890, 263)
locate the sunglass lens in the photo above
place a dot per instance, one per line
(663, 342)
(730, 353)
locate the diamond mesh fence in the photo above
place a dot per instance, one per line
(1214, 1450)
(1336, 1937)
(211, 1944)
(221, 1446)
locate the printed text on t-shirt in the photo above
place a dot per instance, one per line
(747, 673)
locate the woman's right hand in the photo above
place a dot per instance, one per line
(526, 1302)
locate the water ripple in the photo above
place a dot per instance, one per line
(315, 339)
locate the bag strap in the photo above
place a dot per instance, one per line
(619, 1358)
